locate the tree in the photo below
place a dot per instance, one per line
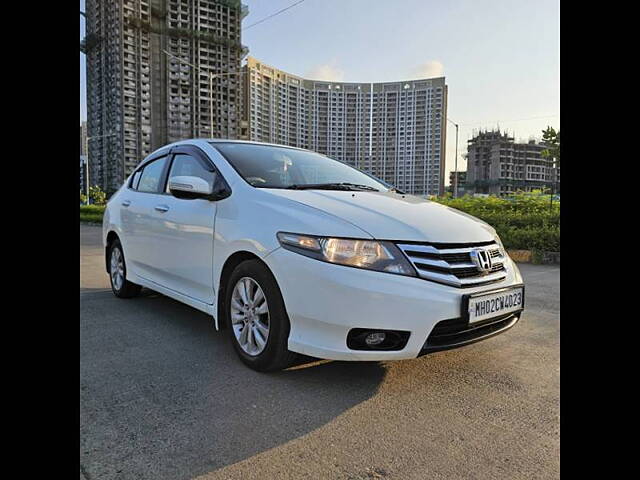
(551, 139)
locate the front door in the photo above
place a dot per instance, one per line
(183, 231)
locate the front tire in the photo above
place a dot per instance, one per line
(121, 287)
(258, 322)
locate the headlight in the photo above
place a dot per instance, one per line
(368, 254)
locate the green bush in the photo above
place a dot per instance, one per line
(97, 196)
(91, 213)
(525, 221)
(545, 238)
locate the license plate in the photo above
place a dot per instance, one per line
(483, 306)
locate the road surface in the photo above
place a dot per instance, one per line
(163, 396)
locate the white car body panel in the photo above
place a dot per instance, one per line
(361, 298)
(395, 217)
(182, 248)
(181, 253)
(136, 221)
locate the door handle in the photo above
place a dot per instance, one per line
(126, 203)
(162, 208)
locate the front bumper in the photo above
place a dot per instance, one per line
(324, 301)
(456, 333)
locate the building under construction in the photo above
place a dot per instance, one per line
(497, 165)
(148, 81)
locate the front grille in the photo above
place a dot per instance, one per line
(452, 264)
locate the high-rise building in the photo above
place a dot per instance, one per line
(139, 97)
(393, 130)
(327, 117)
(83, 138)
(497, 165)
(409, 134)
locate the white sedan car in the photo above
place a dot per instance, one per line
(293, 252)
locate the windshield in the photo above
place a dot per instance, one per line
(266, 166)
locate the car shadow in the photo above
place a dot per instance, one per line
(163, 395)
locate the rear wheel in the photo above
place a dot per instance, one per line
(258, 322)
(120, 286)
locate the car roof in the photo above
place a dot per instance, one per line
(213, 141)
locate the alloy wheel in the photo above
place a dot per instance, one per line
(117, 268)
(250, 316)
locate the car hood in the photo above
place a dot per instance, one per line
(391, 216)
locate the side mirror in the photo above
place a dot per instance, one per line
(189, 187)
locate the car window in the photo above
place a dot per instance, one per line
(135, 180)
(186, 165)
(267, 166)
(151, 176)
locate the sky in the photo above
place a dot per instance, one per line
(500, 59)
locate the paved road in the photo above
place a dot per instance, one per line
(162, 396)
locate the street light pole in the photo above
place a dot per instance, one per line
(455, 173)
(211, 104)
(553, 182)
(86, 168)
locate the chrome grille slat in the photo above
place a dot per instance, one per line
(454, 250)
(440, 277)
(454, 266)
(462, 265)
(492, 277)
(420, 248)
(429, 261)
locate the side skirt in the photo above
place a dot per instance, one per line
(192, 302)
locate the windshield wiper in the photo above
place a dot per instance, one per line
(332, 186)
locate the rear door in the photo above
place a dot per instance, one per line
(138, 216)
(183, 230)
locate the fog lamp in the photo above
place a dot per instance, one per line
(375, 338)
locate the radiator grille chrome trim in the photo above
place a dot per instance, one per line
(455, 266)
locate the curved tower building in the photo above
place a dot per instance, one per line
(393, 130)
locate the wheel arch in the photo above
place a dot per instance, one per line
(111, 237)
(230, 264)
